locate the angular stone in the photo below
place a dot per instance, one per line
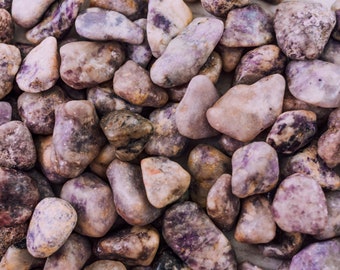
(39, 70)
(312, 24)
(87, 63)
(6, 27)
(191, 118)
(5, 112)
(331, 52)
(10, 236)
(51, 224)
(165, 20)
(299, 205)
(105, 265)
(249, 26)
(323, 89)
(132, 83)
(246, 110)
(220, 8)
(187, 52)
(195, 239)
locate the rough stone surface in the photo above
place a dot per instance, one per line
(230, 57)
(5, 112)
(10, 236)
(220, 8)
(105, 265)
(167, 260)
(6, 26)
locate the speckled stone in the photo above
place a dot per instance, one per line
(195, 239)
(51, 224)
(132, 83)
(6, 27)
(10, 60)
(299, 205)
(86, 63)
(5, 112)
(132, 246)
(129, 193)
(323, 89)
(57, 21)
(212, 67)
(10, 236)
(312, 24)
(220, 8)
(331, 52)
(191, 118)
(39, 70)
(187, 52)
(165, 20)
(261, 105)
(105, 265)
(249, 26)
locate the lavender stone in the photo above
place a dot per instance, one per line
(5, 112)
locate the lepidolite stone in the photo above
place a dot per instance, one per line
(246, 110)
(195, 239)
(40, 68)
(6, 27)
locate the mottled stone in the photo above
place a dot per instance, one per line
(321, 255)
(212, 67)
(165, 20)
(129, 193)
(6, 27)
(77, 138)
(57, 21)
(10, 236)
(206, 164)
(230, 57)
(5, 112)
(220, 8)
(17, 148)
(6, 4)
(72, 255)
(323, 89)
(86, 63)
(249, 26)
(10, 60)
(229, 145)
(132, 246)
(309, 163)
(44, 187)
(36, 110)
(101, 24)
(302, 29)
(331, 52)
(105, 265)
(292, 130)
(132, 83)
(27, 14)
(222, 205)
(51, 224)
(103, 159)
(187, 52)
(246, 110)
(299, 205)
(92, 199)
(191, 118)
(39, 70)
(165, 140)
(195, 239)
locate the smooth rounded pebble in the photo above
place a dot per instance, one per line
(105, 265)
(51, 224)
(17, 257)
(6, 26)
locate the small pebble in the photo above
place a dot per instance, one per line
(6, 26)
(331, 52)
(5, 112)
(212, 67)
(229, 145)
(220, 8)
(105, 265)
(177, 93)
(8, 237)
(17, 257)
(51, 225)
(230, 57)
(103, 159)
(299, 205)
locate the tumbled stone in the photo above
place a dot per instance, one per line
(105, 265)
(17, 257)
(77, 138)
(321, 255)
(187, 52)
(299, 205)
(167, 260)
(129, 193)
(10, 60)
(309, 163)
(246, 110)
(10, 236)
(75, 252)
(103, 159)
(36, 110)
(331, 52)
(165, 20)
(258, 63)
(165, 181)
(212, 67)
(6, 4)
(44, 186)
(222, 205)
(27, 14)
(39, 70)
(57, 21)
(101, 24)
(292, 130)
(127, 131)
(5, 112)
(92, 199)
(206, 164)
(17, 148)
(133, 246)
(323, 89)
(87, 63)
(6, 27)
(255, 169)
(51, 224)
(255, 224)
(229, 145)
(191, 118)
(220, 8)
(230, 57)
(132, 83)
(165, 140)
(249, 26)
(195, 239)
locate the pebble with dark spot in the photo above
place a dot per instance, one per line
(6, 26)
(5, 112)
(220, 8)
(105, 265)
